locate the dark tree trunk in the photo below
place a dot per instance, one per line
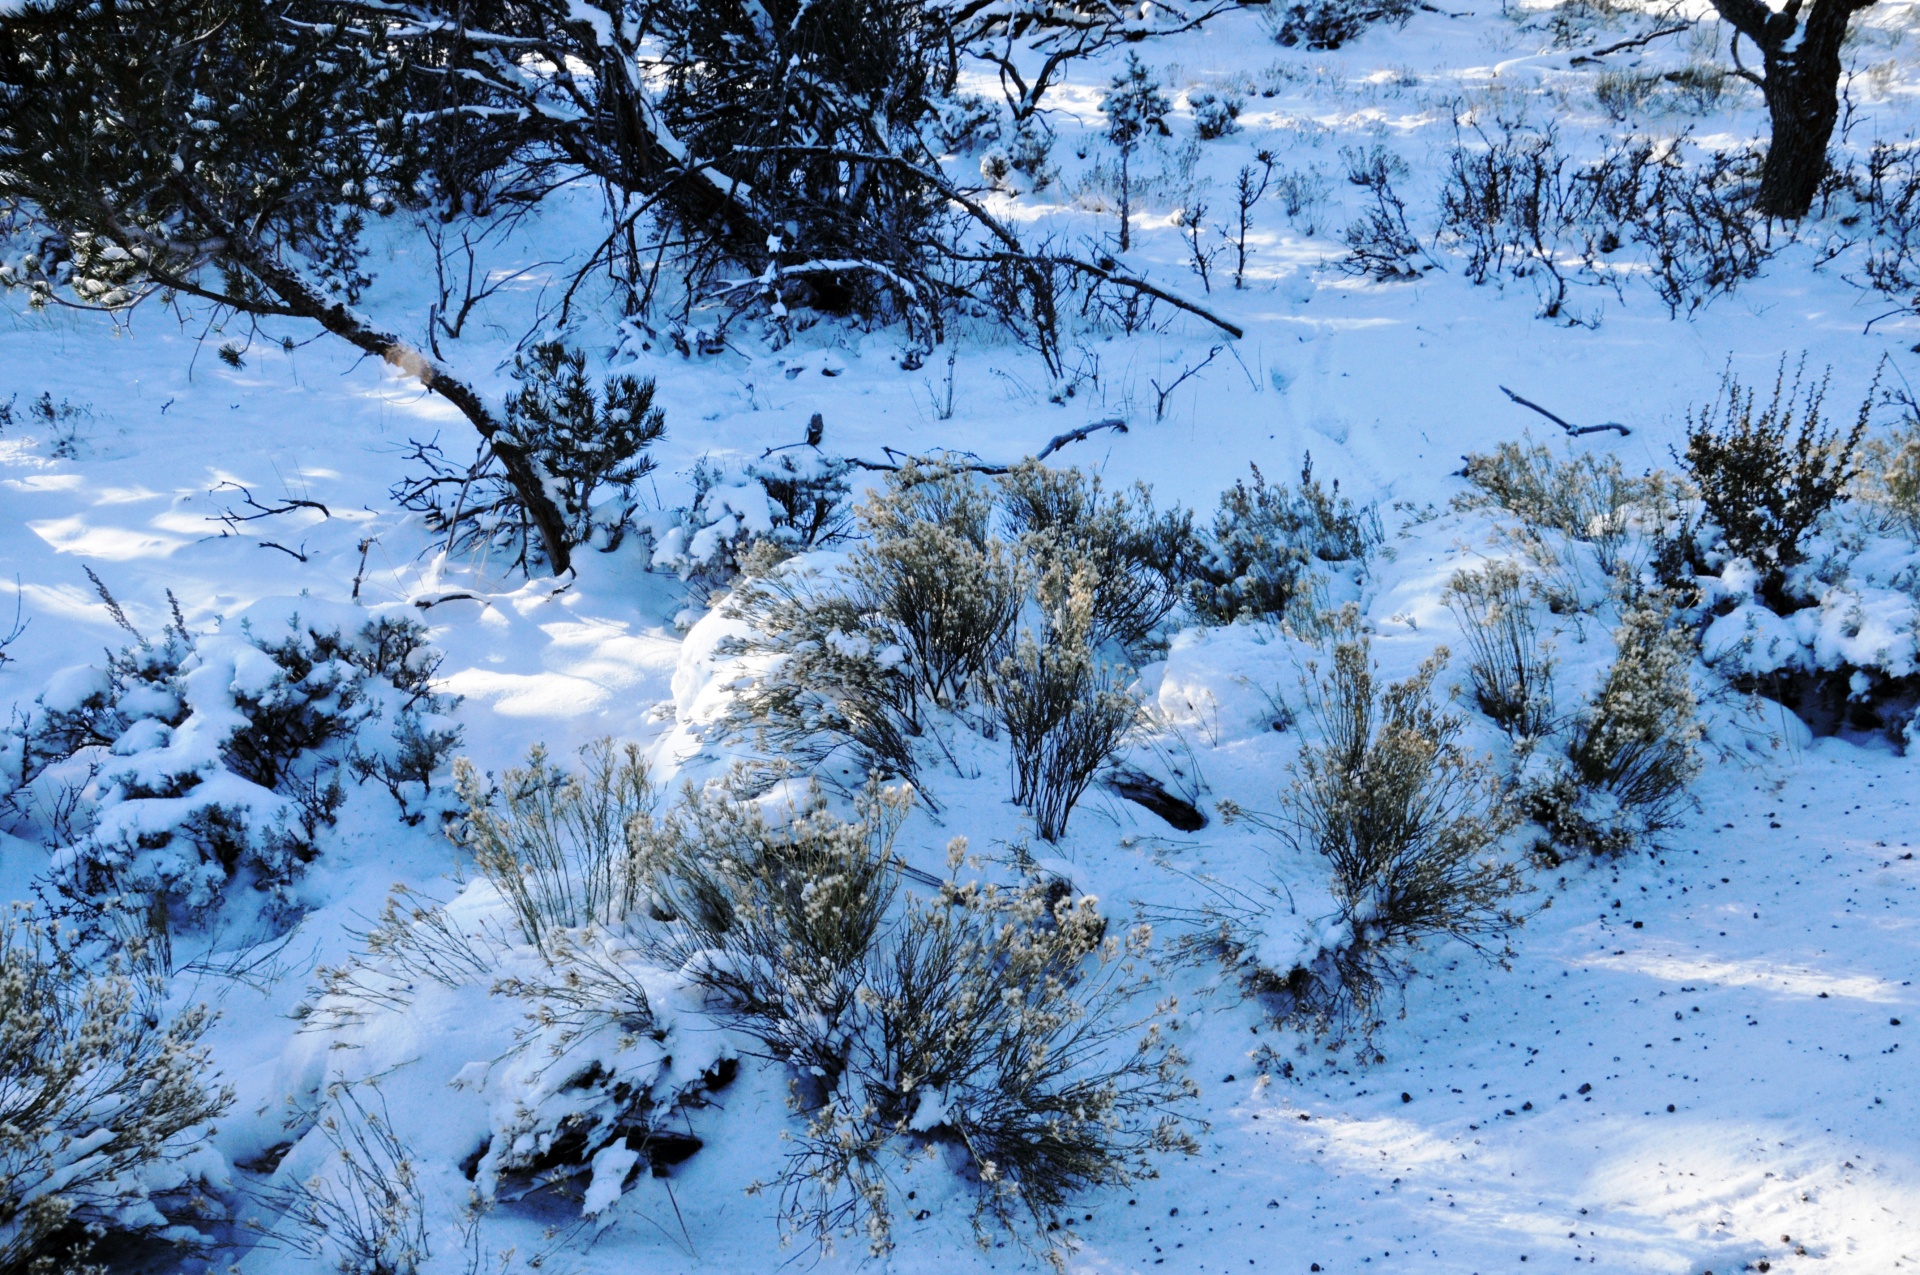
(300, 299)
(1802, 85)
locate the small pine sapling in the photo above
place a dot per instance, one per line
(1134, 106)
(585, 439)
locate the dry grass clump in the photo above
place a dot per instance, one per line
(990, 1020)
(1512, 674)
(100, 1093)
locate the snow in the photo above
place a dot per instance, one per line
(1692, 1053)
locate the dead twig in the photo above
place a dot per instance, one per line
(896, 459)
(1573, 431)
(19, 623)
(1160, 408)
(233, 518)
(1634, 43)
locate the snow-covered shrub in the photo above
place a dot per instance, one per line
(1266, 540)
(1064, 709)
(589, 442)
(1768, 474)
(1631, 754)
(555, 844)
(188, 761)
(1328, 24)
(592, 1069)
(989, 1021)
(1214, 114)
(835, 676)
(1142, 559)
(781, 504)
(1512, 674)
(362, 1210)
(907, 624)
(104, 1100)
(1410, 822)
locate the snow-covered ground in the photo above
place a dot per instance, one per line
(1693, 1060)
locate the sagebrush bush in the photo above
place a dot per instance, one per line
(1141, 558)
(1889, 475)
(1585, 497)
(911, 624)
(104, 1098)
(1631, 755)
(1408, 819)
(362, 1210)
(987, 1019)
(1065, 710)
(932, 566)
(554, 844)
(1512, 674)
(834, 676)
(195, 758)
(923, 619)
(1267, 539)
(1768, 474)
